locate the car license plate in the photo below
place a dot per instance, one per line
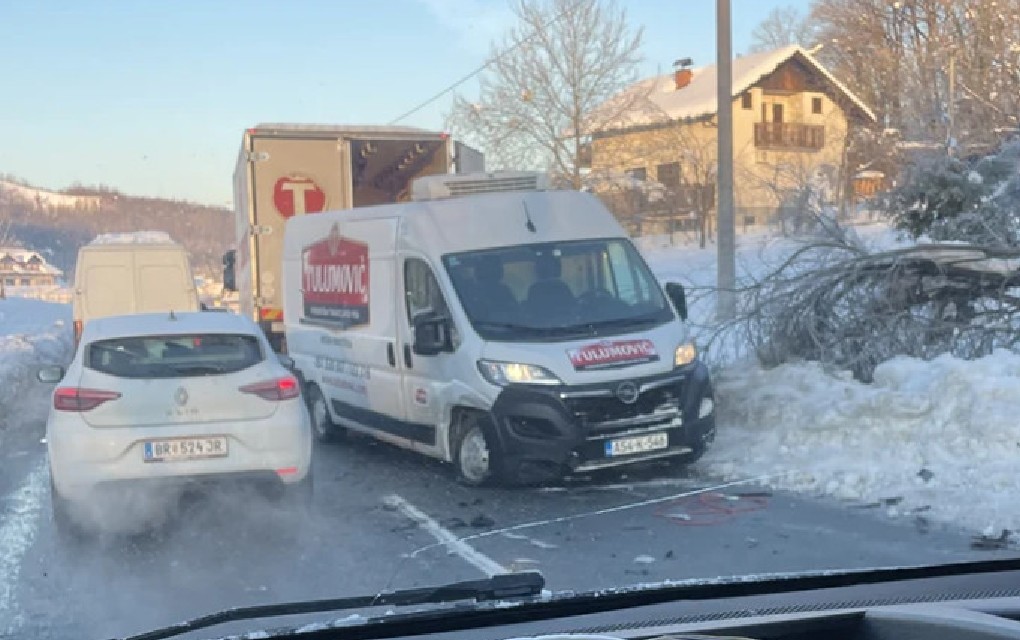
(174, 449)
(639, 444)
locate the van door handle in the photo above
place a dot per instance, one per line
(390, 354)
(407, 356)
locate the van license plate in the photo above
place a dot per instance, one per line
(175, 449)
(639, 444)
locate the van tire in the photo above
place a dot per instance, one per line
(475, 451)
(323, 428)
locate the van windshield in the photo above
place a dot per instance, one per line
(557, 290)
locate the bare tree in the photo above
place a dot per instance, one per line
(782, 26)
(898, 56)
(564, 59)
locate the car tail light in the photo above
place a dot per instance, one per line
(78, 399)
(279, 389)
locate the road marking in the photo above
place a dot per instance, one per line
(17, 532)
(444, 537)
(601, 512)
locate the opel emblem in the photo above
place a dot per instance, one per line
(181, 396)
(627, 392)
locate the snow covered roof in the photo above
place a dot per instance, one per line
(22, 260)
(136, 237)
(657, 99)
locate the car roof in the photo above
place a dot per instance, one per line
(152, 324)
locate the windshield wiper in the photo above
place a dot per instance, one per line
(498, 587)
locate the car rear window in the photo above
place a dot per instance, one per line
(175, 356)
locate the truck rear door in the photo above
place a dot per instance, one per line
(290, 176)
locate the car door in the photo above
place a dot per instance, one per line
(425, 378)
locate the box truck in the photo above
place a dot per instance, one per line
(285, 171)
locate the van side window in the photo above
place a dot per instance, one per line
(421, 289)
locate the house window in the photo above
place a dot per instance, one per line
(745, 101)
(668, 174)
(9, 282)
(816, 105)
(638, 173)
(25, 282)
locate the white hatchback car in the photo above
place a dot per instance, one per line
(157, 401)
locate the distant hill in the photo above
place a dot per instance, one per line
(57, 223)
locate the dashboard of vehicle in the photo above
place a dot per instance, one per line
(967, 606)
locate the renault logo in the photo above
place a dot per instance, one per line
(627, 392)
(181, 396)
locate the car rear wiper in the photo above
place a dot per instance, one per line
(498, 587)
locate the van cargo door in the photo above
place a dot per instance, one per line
(292, 176)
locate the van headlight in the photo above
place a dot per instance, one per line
(685, 354)
(504, 373)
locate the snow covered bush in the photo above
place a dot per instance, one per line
(960, 200)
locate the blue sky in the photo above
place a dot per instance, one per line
(151, 97)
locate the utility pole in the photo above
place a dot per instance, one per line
(726, 302)
(950, 108)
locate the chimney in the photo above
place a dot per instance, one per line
(682, 75)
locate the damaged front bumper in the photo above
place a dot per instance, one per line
(545, 431)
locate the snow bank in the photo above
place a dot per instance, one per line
(32, 332)
(940, 437)
(136, 237)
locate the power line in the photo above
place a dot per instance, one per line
(485, 65)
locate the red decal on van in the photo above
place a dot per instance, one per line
(608, 354)
(335, 280)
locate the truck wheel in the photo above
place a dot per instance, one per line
(475, 457)
(323, 427)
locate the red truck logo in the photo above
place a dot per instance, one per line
(298, 195)
(608, 354)
(335, 280)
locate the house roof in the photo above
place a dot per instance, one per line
(21, 257)
(699, 98)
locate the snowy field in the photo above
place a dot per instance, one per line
(32, 332)
(928, 440)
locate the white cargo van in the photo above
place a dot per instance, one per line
(120, 274)
(509, 329)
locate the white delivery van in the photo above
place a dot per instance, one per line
(121, 274)
(509, 329)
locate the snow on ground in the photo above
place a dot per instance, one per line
(936, 439)
(32, 333)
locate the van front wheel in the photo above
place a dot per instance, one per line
(476, 459)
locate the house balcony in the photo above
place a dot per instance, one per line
(789, 136)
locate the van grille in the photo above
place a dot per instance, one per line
(605, 416)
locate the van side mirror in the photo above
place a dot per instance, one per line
(678, 297)
(431, 335)
(51, 374)
(286, 361)
(229, 275)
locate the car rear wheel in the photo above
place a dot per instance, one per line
(475, 455)
(323, 427)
